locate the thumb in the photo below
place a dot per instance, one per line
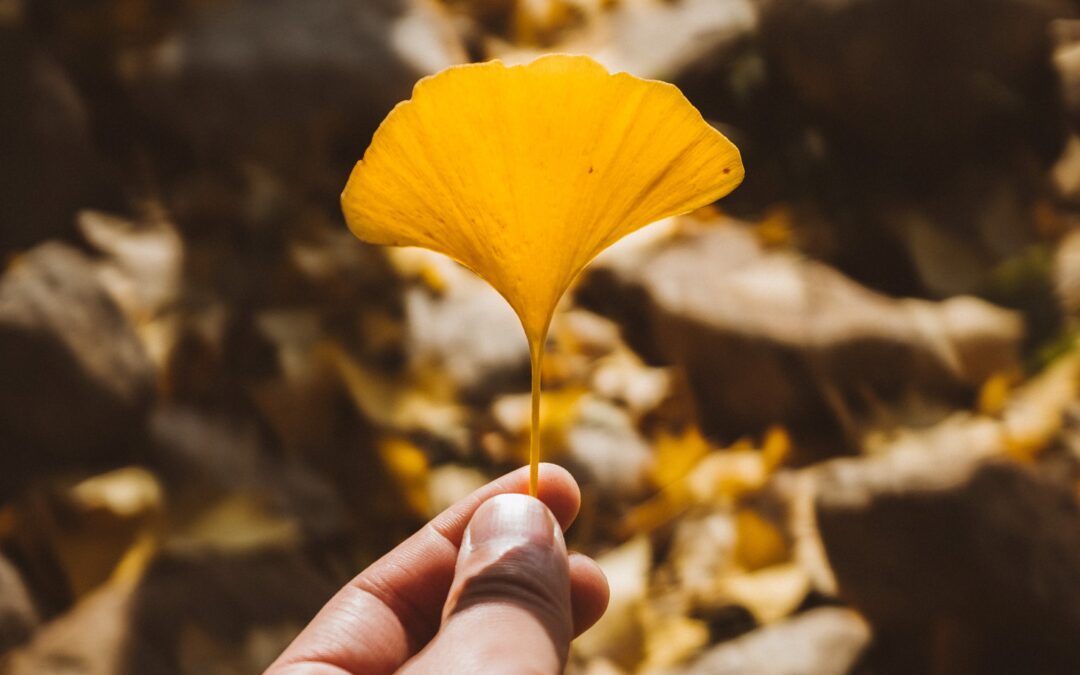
(508, 610)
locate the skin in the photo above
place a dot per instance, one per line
(427, 606)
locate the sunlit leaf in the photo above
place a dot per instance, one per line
(408, 466)
(770, 593)
(759, 542)
(526, 173)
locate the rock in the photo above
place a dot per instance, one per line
(954, 554)
(682, 35)
(1067, 274)
(144, 261)
(307, 82)
(943, 164)
(89, 639)
(766, 337)
(18, 616)
(247, 609)
(824, 641)
(964, 78)
(463, 328)
(269, 593)
(1067, 63)
(49, 166)
(205, 458)
(604, 443)
(76, 379)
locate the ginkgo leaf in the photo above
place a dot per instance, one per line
(526, 173)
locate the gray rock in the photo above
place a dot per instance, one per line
(768, 337)
(76, 380)
(825, 641)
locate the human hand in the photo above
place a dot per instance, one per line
(485, 587)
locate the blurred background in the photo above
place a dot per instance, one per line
(828, 426)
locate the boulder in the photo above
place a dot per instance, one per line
(247, 609)
(768, 337)
(918, 87)
(18, 616)
(76, 379)
(49, 168)
(306, 82)
(962, 561)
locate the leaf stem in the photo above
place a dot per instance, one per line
(536, 355)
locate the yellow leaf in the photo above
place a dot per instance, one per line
(994, 394)
(677, 455)
(759, 542)
(775, 448)
(238, 522)
(776, 229)
(770, 593)
(526, 173)
(408, 466)
(672, 640)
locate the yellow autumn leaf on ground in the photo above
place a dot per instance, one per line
(525, 173)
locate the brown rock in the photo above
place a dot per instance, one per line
(307, 82)
(963, 563)
(240, 595)
(246, 608)
(18, 616)
(921, 85)
(768, 337)
(88, 640)
(204, 457)
(48, 170)
(76, 379)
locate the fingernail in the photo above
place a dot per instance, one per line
(511, 520)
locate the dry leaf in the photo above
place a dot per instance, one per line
(617, 635)
(771, 593)
(408, 467)
(672, 640)
(759, 542)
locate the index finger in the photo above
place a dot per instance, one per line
(392, 609)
